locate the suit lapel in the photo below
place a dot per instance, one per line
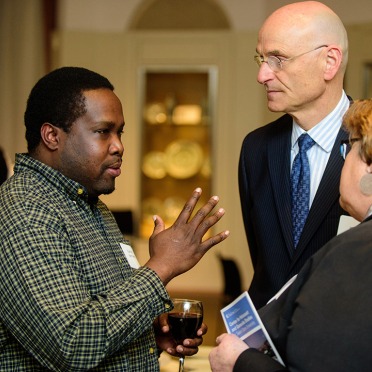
(327, 194)
(279, 147)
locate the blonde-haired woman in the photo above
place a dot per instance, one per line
(356, 177)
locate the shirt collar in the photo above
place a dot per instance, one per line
(325, 132)
(73, 189)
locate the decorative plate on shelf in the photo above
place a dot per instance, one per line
(187, 114)
(183, 158)
(155, 113)
(153, 165)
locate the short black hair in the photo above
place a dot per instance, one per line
(58, 99)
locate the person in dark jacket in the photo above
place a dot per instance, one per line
(302, 51)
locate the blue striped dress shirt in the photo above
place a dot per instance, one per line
(324, 134)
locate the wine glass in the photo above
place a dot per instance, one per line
(184, 320)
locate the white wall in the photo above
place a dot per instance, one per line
(244, 15)
(351, 12)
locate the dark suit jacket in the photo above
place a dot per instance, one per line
(264, 184)
(323, 322)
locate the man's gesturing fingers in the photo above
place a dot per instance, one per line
(178, 248)
(188, 208)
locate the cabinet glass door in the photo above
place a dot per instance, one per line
(176, 141)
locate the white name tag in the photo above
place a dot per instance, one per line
(130, 256)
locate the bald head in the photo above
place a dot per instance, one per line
(307, 24)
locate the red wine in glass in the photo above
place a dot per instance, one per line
(184, 320)
(184, 325)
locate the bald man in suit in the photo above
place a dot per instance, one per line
(302, 53)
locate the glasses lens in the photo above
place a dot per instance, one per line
(274, 63)
(345, 148)
(258, 60)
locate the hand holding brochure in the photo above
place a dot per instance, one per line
(241, 318)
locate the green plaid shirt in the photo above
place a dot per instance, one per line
(69, 301)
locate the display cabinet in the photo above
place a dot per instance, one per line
(176, 151)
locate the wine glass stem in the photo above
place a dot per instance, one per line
(182, 361)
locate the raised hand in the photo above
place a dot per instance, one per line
(177, 249)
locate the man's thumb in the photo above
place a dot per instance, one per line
(158, 225)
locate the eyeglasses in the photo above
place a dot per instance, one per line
(346, 145)
(276, 63)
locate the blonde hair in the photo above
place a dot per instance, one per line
(358, 122)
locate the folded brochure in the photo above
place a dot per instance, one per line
(241, 319)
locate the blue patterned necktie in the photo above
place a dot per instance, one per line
(300, 186)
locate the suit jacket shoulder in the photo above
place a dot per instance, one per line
(264, 134)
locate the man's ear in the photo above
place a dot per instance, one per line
(333, 62)
(50, 135)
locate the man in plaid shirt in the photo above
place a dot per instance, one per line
(71, 295)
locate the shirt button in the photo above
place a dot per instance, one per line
(80, 191)
(152, 350)
(167, 306)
